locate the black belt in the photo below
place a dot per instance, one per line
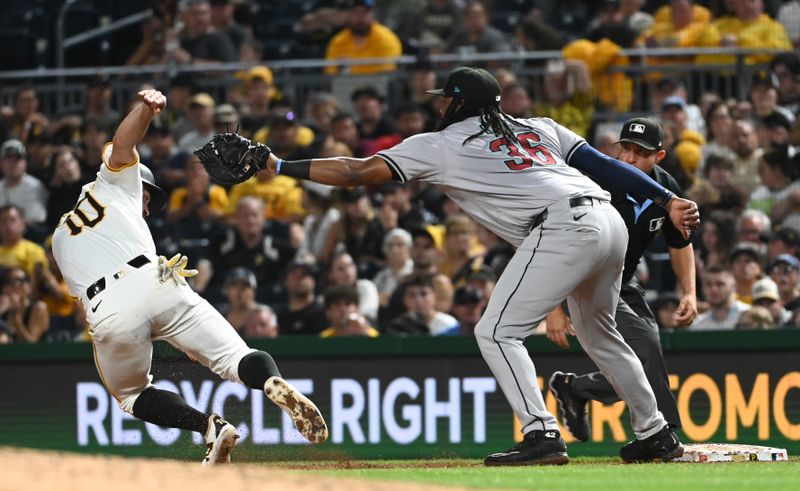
(100, 285)
(582, 201)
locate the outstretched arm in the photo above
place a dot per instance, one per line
(132, 129)
(337, 171)
(682, 212)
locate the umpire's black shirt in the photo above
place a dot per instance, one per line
(644, 219)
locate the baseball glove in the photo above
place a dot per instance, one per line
(230, 158)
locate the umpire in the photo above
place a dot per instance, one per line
(640, 144)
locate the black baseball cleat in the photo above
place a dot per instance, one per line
(663, 446)
(220, 437)
(571, 408)
(537, 448)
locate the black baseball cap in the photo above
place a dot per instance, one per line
(749, 248)
(643, 132)
(472, 84)
(763, 77)
(776, 119)
(240, 275)
(787, 235)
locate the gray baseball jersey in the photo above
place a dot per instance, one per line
(575, 250)
(500, 184)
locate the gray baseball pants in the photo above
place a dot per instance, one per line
(575, 250)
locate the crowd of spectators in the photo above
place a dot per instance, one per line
(280, 256)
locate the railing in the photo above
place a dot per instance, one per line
(61, 89)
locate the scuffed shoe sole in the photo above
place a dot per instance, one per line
(223, 446)
(305, 415)
(675, 453)
(552, 459)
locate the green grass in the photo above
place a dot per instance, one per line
(582, 474)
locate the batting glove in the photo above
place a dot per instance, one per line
(175, 268)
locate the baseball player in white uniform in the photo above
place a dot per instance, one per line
(132, 297)
(521, 180)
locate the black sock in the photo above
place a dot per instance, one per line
(165, 408)
(256, 368)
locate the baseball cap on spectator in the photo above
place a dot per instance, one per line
(240, 275)
(643, 132)
(305, 266)
(201, 100)
(12, 148)
(776, 119)
(673, 101)
(283, 117)
(763, 77)
(158, 127)
(423, 232)
(321, 190)
(749, 248)
(368, 91)
(790, 60)
(260, 72)
(467, 294)
(787, 235)
(226, 113)
(788, 260)
(765, 289)
(99, 81)
(351, 195)
(472, 84)
(484, 273)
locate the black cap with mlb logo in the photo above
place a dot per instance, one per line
(472, 84)
(643, 132)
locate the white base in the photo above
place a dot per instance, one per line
(731, 452)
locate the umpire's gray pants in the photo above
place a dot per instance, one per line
(575, 253)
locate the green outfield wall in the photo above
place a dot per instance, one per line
(394, 397)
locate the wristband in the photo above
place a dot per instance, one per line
(662, 200)
(278, 166)
(300, 169)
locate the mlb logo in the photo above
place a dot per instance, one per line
(656, 223)
(637, 128)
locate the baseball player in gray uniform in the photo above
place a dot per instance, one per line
(521, 180)
(132, 296)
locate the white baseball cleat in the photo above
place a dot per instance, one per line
(305, 415)
(221, 437)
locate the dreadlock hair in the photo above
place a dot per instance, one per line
(492, 119)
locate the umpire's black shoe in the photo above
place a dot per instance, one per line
(664, 446)
(571, 408)
(537, 448)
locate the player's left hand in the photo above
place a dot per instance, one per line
(153, 99)
(684, 214)
(559, 327)
(175, 268)
(686, 310)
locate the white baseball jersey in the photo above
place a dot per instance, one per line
(503, 185)
(105, 229)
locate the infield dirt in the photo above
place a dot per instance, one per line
(32, 470)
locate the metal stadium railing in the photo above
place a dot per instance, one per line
(62, 90)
